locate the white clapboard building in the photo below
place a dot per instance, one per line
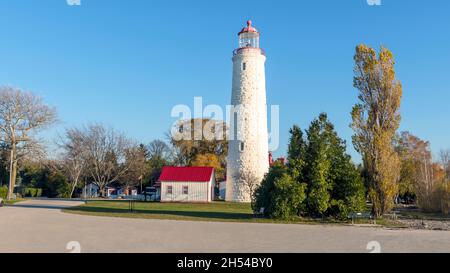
(187, 184)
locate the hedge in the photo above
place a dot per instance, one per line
(3, 192)
(31, 192)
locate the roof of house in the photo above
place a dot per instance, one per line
(186, 174)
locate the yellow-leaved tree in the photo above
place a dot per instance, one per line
(376, 119)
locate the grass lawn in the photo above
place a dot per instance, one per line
(421, 215)
(215, 212)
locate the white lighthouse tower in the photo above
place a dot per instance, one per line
(248, 149)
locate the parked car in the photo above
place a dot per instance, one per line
(151, 194)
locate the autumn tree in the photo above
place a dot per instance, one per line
(444, 158)
(376, 119)
(424, 177)
(196, 138)
(210, 160)
(22, 116)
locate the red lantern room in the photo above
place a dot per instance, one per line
(249, 36)
(248, 40)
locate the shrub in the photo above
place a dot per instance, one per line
(288, 198)
(31, 192)
(57, 186)
(440, 200)
(3, 192)
(281, 196)
(263, 195)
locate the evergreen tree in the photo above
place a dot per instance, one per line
(348, 194)
(317, 170)
(264, 193)
(319, 179)
(296, 154)
(288, 198)
(335, 186)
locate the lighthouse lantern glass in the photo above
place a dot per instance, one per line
(249, 39)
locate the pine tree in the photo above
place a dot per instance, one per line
(263, 195)
(296, 154)
(288, 198)
(318, 166)
(348, 194)
(335, 186)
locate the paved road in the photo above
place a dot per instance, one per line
(40, 226)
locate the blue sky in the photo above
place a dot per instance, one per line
(127, 63)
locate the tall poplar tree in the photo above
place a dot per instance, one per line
(376, 119)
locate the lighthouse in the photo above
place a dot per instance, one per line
(248, 148)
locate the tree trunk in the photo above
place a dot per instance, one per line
(74, 185)
(102, 189)
(12, 172)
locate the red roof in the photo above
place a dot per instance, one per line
(248, 28)
(186, 174)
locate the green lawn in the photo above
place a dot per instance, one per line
(420, 215)
(216, 212)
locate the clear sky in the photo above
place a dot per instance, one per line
(127, 63)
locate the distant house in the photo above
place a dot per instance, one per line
(91, 190)
(187, 184)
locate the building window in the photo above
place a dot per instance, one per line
(169, 189)
(241, 146)
(244, 66)
(185, 190)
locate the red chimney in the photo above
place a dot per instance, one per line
(270, 159)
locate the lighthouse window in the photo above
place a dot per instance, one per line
(244, 66)
(242, 146)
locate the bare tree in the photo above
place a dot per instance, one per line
(22, 116)
(74, 157)
(105, 151)
(158, 149)
(136, 160)
(249, 182)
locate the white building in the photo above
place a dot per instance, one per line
(187, 184)
(248, 144)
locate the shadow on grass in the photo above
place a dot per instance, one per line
(188, 214)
